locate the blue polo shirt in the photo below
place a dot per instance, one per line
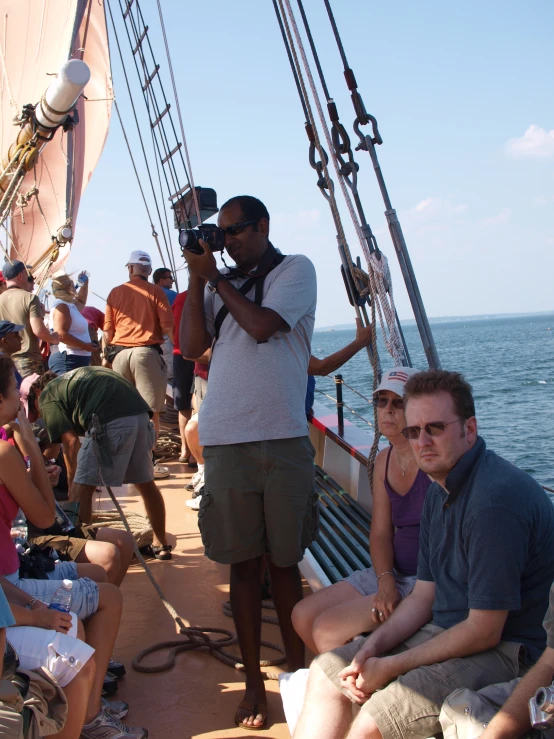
(488, 544)
(171, 294)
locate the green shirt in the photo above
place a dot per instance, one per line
(69, 402)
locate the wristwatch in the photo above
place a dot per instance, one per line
(31, 603)
(212, 284)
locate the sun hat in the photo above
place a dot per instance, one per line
(7, 327)
(140, 257)
(395, 379)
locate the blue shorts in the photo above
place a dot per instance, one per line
(85, 592)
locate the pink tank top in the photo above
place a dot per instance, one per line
(9, 561)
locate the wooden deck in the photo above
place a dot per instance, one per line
(198, 697)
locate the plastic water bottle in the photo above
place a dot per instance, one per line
(19, 528)
(61, 600)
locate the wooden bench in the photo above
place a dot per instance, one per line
(343, 542)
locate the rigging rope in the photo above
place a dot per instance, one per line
(165, 237)
(154, 234)
(195, 637)
(177, 105)
(376, 287)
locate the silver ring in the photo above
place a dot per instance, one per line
(373, 610)
(380, 613)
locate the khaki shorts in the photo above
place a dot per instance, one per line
(145, 368)
(410, 706)
(200, 388)
(259, 498)
(68, 547)
(129, 443)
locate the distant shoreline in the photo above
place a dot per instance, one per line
(443, 319)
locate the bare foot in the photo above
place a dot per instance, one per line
(252, 711)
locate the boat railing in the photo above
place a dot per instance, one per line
(338, 400)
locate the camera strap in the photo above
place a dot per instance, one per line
(270, 259)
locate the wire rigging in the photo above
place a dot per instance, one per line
(164, 235)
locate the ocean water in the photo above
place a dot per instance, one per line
(508, 361)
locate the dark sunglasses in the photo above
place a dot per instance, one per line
(30, 278)
(381, 401)
(237, 228)
(435, 428)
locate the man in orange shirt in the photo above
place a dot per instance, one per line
(138, 316)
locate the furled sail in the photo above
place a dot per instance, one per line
(37, 37)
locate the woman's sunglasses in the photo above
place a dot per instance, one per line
(435, 428)
(381, 401)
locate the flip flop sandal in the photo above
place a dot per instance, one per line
(253, 709)
(163, 553)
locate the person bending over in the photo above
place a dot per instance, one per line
(361, 602)
(259, 473)
(483, 578)
(99, 404)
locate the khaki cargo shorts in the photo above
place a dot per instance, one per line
(145, 368)
(129, 443)
(409, 707)
(259, 498)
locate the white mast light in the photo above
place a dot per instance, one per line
(62, 94)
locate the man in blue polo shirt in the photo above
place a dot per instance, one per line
(485, 568)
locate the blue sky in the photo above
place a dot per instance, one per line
(463, 96)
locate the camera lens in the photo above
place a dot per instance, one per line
(185, 238)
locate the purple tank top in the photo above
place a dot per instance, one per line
(406, 513)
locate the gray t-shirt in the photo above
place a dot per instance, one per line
(256, 392)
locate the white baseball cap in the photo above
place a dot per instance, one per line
(140, 257)
(395, 379)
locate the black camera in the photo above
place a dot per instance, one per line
(212, 235)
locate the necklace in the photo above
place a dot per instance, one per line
(403, 470)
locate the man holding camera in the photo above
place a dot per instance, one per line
(259, 474)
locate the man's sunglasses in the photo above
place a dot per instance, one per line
(237, 228)
(30, 278)
(381, 401)
(435, 428)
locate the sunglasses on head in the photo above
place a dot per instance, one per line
(435, 428)
(237, 228)
(381, 401)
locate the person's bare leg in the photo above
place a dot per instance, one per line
(193, 441)
(83, 495)
(364, 727)
(286, 589)
(326, 713)
(93, 571)
(337, 625)
(112, 550)
(101, 631)
(184, 418)
(155, 510)
(77, 694)
(310, 608)
(247, 614)
(125, 544)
